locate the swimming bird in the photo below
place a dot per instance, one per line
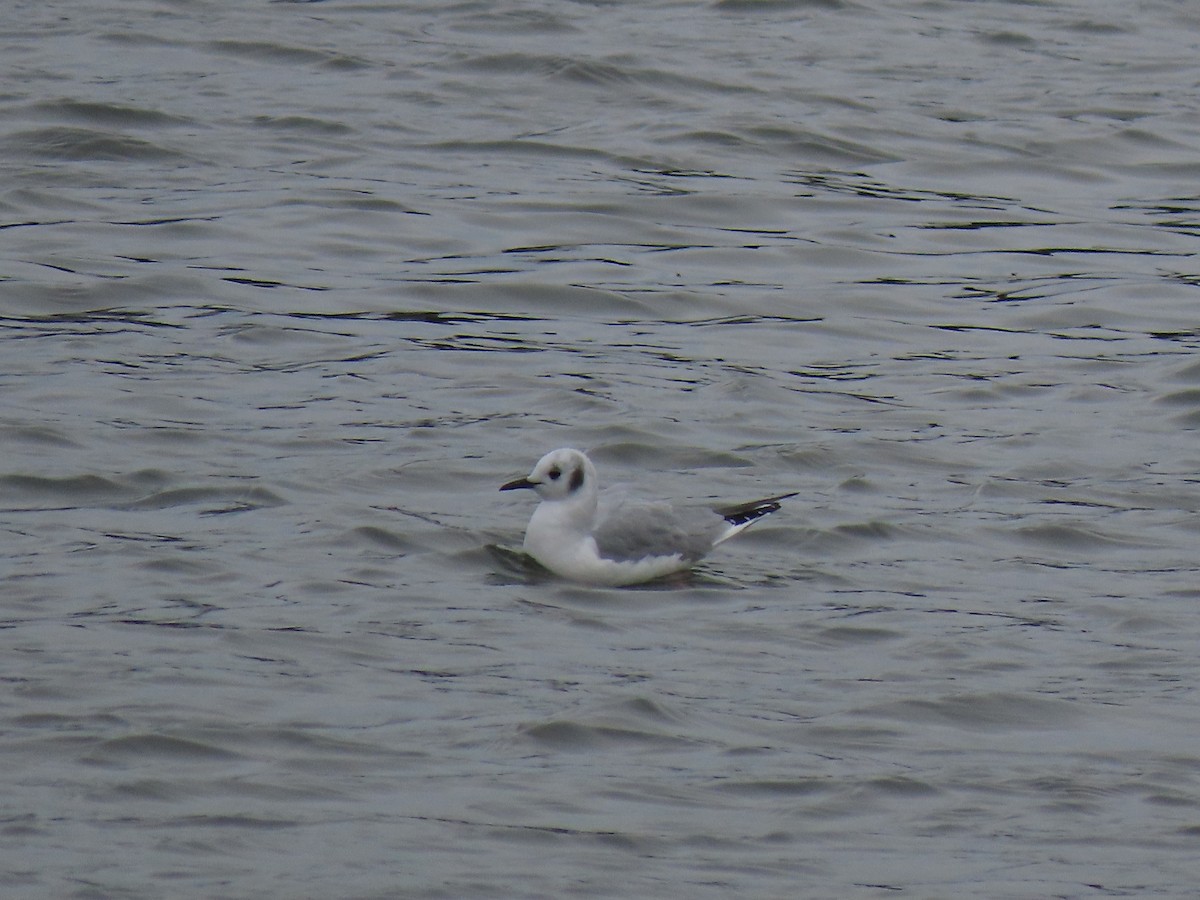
(616, 538)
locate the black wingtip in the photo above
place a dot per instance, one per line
(744, 513)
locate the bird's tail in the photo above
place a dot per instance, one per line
(742, 515)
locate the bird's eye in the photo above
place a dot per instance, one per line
(554, 474)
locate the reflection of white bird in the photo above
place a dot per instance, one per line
(617, 539)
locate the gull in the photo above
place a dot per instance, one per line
(615, 538)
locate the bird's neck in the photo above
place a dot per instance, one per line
(575, 515)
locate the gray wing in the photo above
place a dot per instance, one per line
(630, 530)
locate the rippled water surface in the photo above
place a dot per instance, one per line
(287, 290)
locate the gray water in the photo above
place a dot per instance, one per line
(287, 290)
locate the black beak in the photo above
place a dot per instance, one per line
(517, 485)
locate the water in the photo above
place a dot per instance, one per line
(289, 289)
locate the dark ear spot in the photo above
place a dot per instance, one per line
(577, 478)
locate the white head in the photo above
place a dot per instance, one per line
(559, 475)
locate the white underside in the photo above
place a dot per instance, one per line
(578, 560)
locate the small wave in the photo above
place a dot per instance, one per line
(1070, 537)
(282, 54)
(112, 115)
(980, 711)
(224, 499)
(568, 735)
(71, 144)
(96, 491)
(140, 746)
